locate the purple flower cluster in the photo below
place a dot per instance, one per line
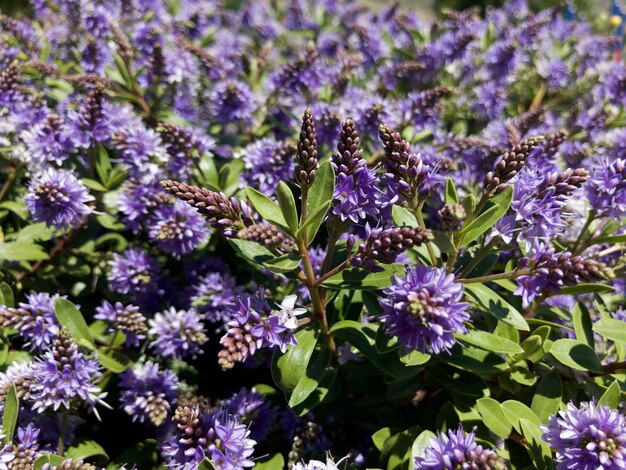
(148, 393)
(35, 320)
(177, 333)
(58, 198)
(587, 436)
(122, 318)
(424, 309)
(133, 272)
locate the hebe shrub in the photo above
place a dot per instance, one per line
(305, 235)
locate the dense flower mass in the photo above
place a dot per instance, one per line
(242, 234)
(587, 436)
(58, 198)
(424, 309)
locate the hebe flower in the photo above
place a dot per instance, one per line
(177, 229)
(20, 374)
(138, 202)
(48, 142)
(267, 162)
(141, 152)
(458, 450)
(232, 102)
(587, 437)
(252, 409)
(58, 198)
(64, 374)
(606, 189)
(125, 318)
(35, 320)
(134, 271)
(177, 333)
(148, 393)
(424, 310)
(24, 454)
(213, 294)
(216, 435)
(330, 464)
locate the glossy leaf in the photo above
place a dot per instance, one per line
(490, 302)
(73, 321)
(547, 398)
(254, 252)
(493, 417)
(287, 205)
(10, 413)
(52, 460)
(319, 196)
(583, 326)
(274, 462)
(288, 368)
(86, 448)
(113, 360)
(489, 342)
(485, 221)
(612, 329)
(284, 264)
(576, 355)
(537, 448)
(403, 217)
(267, 209)
(356, 278)
(22, 251)
(611, 397)
(584, 289)
(515, 411)
(450, 196)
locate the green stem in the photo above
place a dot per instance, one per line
(8, 183)
(493, 277)
(60, 447)
(420, 220)
(581, 235)
(480, 255)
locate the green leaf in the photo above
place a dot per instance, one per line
(547, 398)
(7, 294)
(380, 436)
(577, 355)
(274, 462)
(283, 264)
(288, 368)
(403, 217)
(583, 326)
(443, 242)
(52, 460)
(35, 233)
(22, 251)
(113, 360)
(267, 209)
(612, 329)
(610, 239)
(450, 196)
(72, 320)
(11, 410)
(206, 464)
(141, 454)
(313, 222)
(515, 411)
(109, 222)
(254, 252)
(414, 358)
(399, 448)
(287, 206)
(490, 302)
(95, 185)
(584, 289)
(469, 204)
(421, 442)
(316, 368)
(85, 448)
(319, 195)
(360, 279)
(459, 381)
(493, 417)
(489, 342)
(103, 165)
(485, 221)
(537, 448)
(611, 397)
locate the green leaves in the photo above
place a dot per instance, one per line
(11, 410)
(22, 251)
(493, 417)
(490, 342)
(612, 329)
(611, 397)
(288, 368)
(287, 206)
(450, 196)
(86, 448)
(268, 209)
(319, 197)
(72, 320)
(576, 355)
(403, 217)
(547, 398)
(360, 279)
(482, 223)
(253, 252)
(490, 302)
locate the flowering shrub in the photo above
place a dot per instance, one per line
(304, 235)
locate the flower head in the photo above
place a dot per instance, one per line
(35, 320)
(458, 450)
(134, 271)
(288, 312)
(58, 198)
(424, 310)
(148, 393)
(125, 318)
(587, 437)
(177, 333)
(178, 229)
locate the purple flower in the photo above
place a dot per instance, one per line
(606, 188)
(58, 198)
(215, 434)
(133, 272)
(458, 449)
(64, 374)
(587, 437)
(125, 318)
(138, 203)
(35, 320)
(177, 333)
(48, 142)
(178, 229)
(26, 452)
(252, 409)
(213, 294)
(148, 393)
(267, 162)
(141, 152)
(424, 310)
(232, 102)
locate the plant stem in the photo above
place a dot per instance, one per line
(493, 277)
(480, 255)
(60, 447)
(583, 231)
(332, 272)
(8, 183)
(420, 220)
